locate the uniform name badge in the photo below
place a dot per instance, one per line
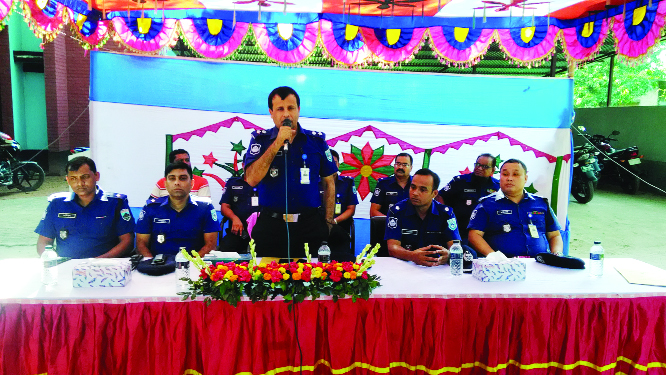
(64, 234)
(255, 201)
(506, 228)
(160, 238)
(469, 202)
(305, 176)
(533, 230)
(338, 208)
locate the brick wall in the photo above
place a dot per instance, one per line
(6, 112)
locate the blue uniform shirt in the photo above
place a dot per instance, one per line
(238, 195)
(86, 232)
(170, 230)
(388, 192)
(506, 224)
(345, 195)
(309, 149)
(463, 193)
(404, 224)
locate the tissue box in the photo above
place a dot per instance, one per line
(97, 272)
(505, 270)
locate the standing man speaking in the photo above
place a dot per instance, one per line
(286, 164)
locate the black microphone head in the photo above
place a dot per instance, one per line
(287, 122)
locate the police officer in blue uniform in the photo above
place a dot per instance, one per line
(512, 220)
(178, 220)
(393, 189)
(345, 197)
(87, 223)
(463, 192)
(419, 229)
(238, 202)
(290, 155)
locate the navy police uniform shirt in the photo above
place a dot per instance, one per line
(404, 224)
(506, 224)
(345, 195)
(238, 195)
(170, 230)
(463, 193)
(86, 232)
(388, 192)
(309, 150)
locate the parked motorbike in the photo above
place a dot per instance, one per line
(618, 166)
(585, 171)
(14, 173)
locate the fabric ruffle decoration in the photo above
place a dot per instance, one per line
(640, 29)
(393, 45)
(286, 43)
(344, 43)
(458, 45)
(528, 45)
(44, 17)
(581, 43)
(89, 30)
(145, 34)
(5, 9)
(213, 38)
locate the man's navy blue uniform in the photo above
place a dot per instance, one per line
(86, 232)
(388, 192)
(345, 195)
(238, 195)
(308, 150)
(170, 230)
(404, 224)
(463, 193)
(505, 224)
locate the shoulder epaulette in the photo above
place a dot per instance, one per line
(259, 133)
(315, 133)
(115, 195)
(201, 200)
(346, 177)
(384, 178)
(158, 200)
(63, 194)
(487, 196)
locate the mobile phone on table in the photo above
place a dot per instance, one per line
(158, 260)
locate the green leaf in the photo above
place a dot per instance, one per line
(376, 154)
(530, 189)
(196, 171)
(357, 153)
(346, 167)
(372, 183)
(387, 170)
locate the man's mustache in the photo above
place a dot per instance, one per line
(401, 170)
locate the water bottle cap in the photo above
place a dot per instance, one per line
(324, 243)
(456, 241)
(597, 242)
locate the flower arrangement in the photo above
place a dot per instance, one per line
(293, 281)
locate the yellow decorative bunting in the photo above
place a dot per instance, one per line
(144, 24)
(41, 4)
(80, 20)
(639, 15)
(527, 33)
(286, 30)
(392, 36)
(460, 33)
(214, 26)
(350, 32)
(588, 28)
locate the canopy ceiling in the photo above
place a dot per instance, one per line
(357, 33)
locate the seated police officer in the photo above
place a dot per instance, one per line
(238, 202)
(345, 197)
(512, 220)
(392, 189)
(420, 229)
(88, 222)
(463, 192)
(178, 220)
(200, 186)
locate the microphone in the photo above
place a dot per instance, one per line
(286, 122)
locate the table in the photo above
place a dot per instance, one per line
(420, 320)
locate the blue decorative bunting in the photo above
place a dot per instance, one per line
(292, 43)
(540, 33)
(405, 38)
(339, 30)
(472, 36)
(214, 40)
(639, 31)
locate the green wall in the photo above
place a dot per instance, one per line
(28, 89)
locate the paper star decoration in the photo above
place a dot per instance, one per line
(209, 159)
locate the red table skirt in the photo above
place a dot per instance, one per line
(383, 335)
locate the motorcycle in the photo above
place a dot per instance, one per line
(585, 171)
(14, 173)
(621, 166)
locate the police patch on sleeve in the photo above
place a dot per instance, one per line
(377, 192)
(213, 214)
(255, 149)
(452, 223)
(393, 222)
(44, 215)
(125, 214)
(142, 214)
(353, 191)
(447, 187)
(473, 215)
(329, 157)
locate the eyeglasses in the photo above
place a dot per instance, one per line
(482, 166)
(401, 164)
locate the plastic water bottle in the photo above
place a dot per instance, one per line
(324, 253)
(182, 271)
(49, 262)
(456, 259)
(596, 260)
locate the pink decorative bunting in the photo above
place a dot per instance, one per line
(94, 40)
(575, 51)
(5, 8)
(378, 135)
(390, 55)
(338, 54)
(43, 26)
(637, 49)
(528, 56)
(450, 54)
(215, 127)
(294, 56)
(166, 36)
(214, 52)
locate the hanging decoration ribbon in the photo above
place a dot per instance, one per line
(213, 38)
(458, 45)
(639, 30)
(582, 43)
(343, 43)
(89, 29)
(529, 45)
(44, 17)
(393, 45)
(144, 34)
(5, 8)
(287, 43)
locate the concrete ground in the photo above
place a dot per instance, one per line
(628, 226)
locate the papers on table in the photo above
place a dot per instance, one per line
(637, 272)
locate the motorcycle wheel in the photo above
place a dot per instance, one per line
(28, 177)
(629, 181)
(582, 191)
